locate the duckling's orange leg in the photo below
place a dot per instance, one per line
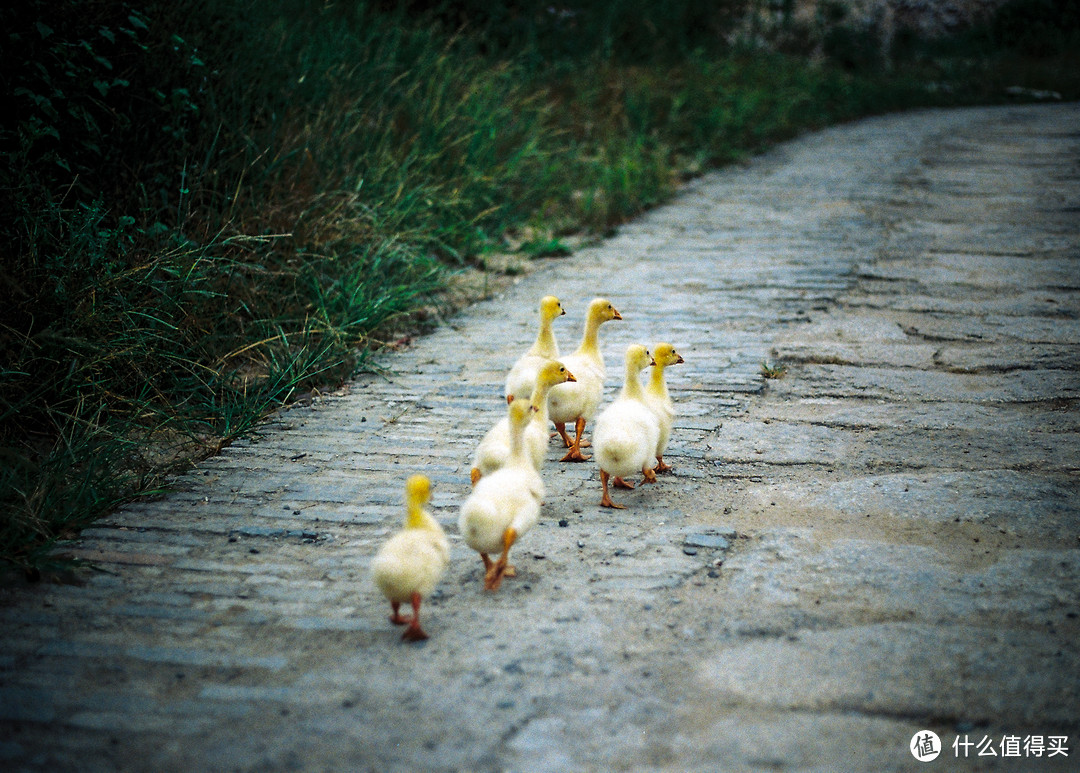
(560, 429)
(621, 483)
(650, 476)
(396, 618)
(580, 440)
(661, 466)
(487, 562)
(574, 454)
(606, 500)
(414, 632)
(475, 475)
(498, 570)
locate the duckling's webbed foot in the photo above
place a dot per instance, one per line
(661, 466)
(494, 576)
(605, 501)
(621, 483)
(560, 430)
(650, 476)
(574, 454)
(397, 618)
(414, 632)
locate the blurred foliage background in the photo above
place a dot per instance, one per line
(211, 207)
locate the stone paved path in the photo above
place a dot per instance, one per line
(904, 500)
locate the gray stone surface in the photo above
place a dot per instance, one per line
(884, 540)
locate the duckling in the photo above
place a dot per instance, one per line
(505, 504)
(627, 431)
(494, 448)
(656, 395)
(522, 376)
(577, 402)
(410, 563)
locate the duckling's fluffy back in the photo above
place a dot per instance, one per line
(493, 450)
(577, 398)
(509, 497)
(625, 437)
(522, 376)
(412, 561)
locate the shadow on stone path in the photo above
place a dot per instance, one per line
(904, 504)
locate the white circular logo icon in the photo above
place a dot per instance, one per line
(925, 746)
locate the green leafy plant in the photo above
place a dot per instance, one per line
(772, 370)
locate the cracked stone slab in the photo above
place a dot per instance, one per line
(986, 272)
(1024, 502)
(862, 581)
(958, 673)
(909, 385)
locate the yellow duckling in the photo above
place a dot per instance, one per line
(410, 563)
(494, 448)
(627, 431)
(577, 402)
(522, 376)
(656, 395)
(505, 504)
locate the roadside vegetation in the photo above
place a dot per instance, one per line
(210, 208)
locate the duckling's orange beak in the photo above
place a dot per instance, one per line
(570, 376)
(617, 314)
(680, 360)
(652, 361)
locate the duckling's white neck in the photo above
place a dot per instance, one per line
(518, 453)
(657, 385)
(539, 401)
(545, 344)
(590, 341)
(632, 388)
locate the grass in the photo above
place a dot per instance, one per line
(217, 206)
(771, 370)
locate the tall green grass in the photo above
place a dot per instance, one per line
(215, 206)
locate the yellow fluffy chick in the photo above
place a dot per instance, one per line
(627, 431)
(656, 395)
(504, 505)
(522, 376)
(410, 563)
(577, 402)
(494, 448)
